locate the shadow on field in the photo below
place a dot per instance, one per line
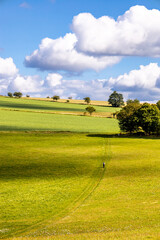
(46, 170)
(133, 136)
(38, 107)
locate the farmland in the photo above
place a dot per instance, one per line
(53, 185)
(29, 115)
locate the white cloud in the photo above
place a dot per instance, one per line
(60, 54)
(143, 83)
(136, 33)
(26, 84)
(7, 68)
(53, 79)
(144, 78)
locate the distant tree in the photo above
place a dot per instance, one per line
(55, 97)
(116, 99)
(17, 94)
(69, 97)
(87, 100)
(47, 97)
(132, 101)
(27, 95)
(67, 101)
(10, 94)
(158, 104)
(90, 109)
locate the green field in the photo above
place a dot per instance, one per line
(48, 106)
(36, 115)
(53, 186)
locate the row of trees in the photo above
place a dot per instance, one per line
(15, 94)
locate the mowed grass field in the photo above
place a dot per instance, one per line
(29, 115)
(53, 186)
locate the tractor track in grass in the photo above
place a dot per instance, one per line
(37, 229)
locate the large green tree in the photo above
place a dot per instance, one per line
(128, 121)
(116, 99)
(148, 116)
(135, 116)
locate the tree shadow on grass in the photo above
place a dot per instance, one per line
(38, 107)
(132, 136)
(57, 170)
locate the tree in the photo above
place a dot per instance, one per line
(27, 95)
(116, 99)
(135, 116)
(132, 101)
(55, 97)
(90, 109)
(10, 94)
(128, 121)
(17, 94)
(148, 116)
(87, 100)
(158, 104)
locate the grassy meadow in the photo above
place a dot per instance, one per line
(53, 185)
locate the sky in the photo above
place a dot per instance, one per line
(82, 48)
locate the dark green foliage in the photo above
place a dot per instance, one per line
(127, 118)
(55, 97)
(90, 109)
(10, 94)
(87, 100)
(148, 118)
(116, 99)
(132, 101)
(158, 104)
(135, 116)
(27, 95)
(17, 94)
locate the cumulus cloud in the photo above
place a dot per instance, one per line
(26, 84)
(11, 80)
(143, 83)
(7, 68)
(78, 89)
(136, 33)
(60, 54)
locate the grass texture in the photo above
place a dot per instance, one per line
(30, 121)
(53, 186)
(48, 106)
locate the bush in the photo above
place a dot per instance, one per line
(10, 94)
(90, 109)
(17, 94)
(55, 97)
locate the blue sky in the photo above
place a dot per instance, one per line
(24, 24)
